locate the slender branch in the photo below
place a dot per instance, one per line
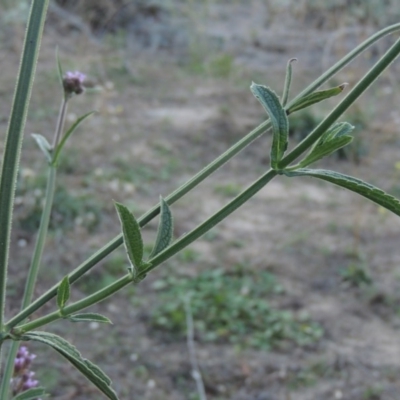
(204, 227)
(181, 243)
(8, 371)
(77, 306)
(243, 197)
(199, 177)
(14, 136)
(60, 121)
(35, 263)
(196, 374)
(12, 151)
(41, 238)
(153, 212)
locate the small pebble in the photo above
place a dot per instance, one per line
(22, 243)
(338, 394)
(94, 325)
(151, 384)
(134, 357)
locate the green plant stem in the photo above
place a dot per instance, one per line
(32, 274)
(75, 307)
(153, 212)
(15, 135)
(60, 122)
(12, 152)
(8, 370)
(41, 238)
(199, 177)
(216, 218)
(181, 243)
(351, 97)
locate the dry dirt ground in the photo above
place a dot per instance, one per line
(160, 119)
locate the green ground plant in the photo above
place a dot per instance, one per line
(232, 307)
(356, 275)
(69, 209)
(325, 138)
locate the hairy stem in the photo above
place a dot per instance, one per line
(153, 212)
(14, 137)
(199, 177)
(12, 153)
(181, 243)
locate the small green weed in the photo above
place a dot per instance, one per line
(356, 275)
(188, 255)
(139, 174)
(303, 378)
(68, 210)
(228, 189)
(221, 66)
(373, 393)
(232, 307)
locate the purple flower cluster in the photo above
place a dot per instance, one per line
(73, 82)
(23, 378)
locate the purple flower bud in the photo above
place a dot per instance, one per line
(29, 384)
(18, 364)
(23, 378)
(22, 352)
(73, 82)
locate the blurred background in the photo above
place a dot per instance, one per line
(296, 295)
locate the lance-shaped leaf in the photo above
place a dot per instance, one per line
(67, 134)
(279, 121)
(333, 139)
(316, 97)
(91, 371)
(288, 81)
(44, 145)
(365, 189)
(63, 292)
(165, 229)
(132, 237)
(31, 394)
(89, 317)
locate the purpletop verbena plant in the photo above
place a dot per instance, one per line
(326, 138)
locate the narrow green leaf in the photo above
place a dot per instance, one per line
(89, 317)
(44, 145)
(132, 236)
(316, 97)
(63, 293)
(364, 189)
(31, 394)
(288, 81)
(336, 137)
(325, 149)
(165, 229)
(91, 371)
(67, 134)
(279, 121)
(336, 130)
